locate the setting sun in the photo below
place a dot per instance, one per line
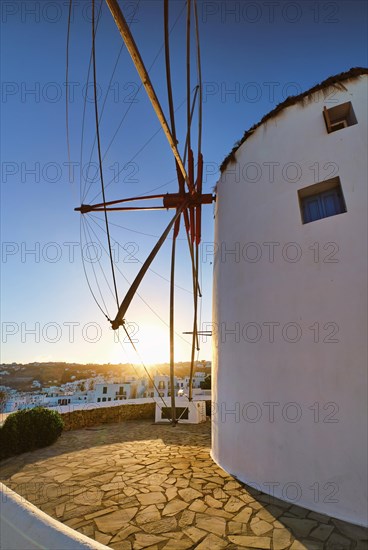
(151, 342)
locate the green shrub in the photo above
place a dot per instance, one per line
(29, 429)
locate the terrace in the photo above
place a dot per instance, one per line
(138, 485)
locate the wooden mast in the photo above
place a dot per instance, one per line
(188, 204)
(177, 223)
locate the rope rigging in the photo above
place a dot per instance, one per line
(129, 283)
(82, 222)
(85, 108)
(187, 202)
(67, 84)
(94, 219)
(99, 145)
(128, 110)
(158, 131)
(103, 108)
(146, 371)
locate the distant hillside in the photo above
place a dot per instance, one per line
(21, 377)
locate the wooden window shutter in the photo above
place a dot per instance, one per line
(327, 119)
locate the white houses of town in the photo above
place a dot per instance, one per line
(162, 387)
(104, 391)
(289, 382)
(118, 391)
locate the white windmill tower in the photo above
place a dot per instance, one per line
(290, 302)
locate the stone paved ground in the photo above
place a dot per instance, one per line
(139, 485)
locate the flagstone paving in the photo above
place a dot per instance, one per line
(137, 485)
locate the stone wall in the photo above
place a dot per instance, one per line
(107, 415)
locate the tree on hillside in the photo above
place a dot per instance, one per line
(206, 384)
(3, 399)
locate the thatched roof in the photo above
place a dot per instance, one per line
(353, 73)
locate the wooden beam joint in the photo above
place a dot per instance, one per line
(173, 200)
(170, 200)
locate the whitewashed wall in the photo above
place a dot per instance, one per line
(24, 527)
(299, 424)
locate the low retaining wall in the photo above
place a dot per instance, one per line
(107, 415)
(24, 527)
(85, 415)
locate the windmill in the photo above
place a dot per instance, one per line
(187, 201)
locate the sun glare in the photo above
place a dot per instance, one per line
(151, 342)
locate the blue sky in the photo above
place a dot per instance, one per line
(254, 54)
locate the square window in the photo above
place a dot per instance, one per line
(321, 200)
(339, 117)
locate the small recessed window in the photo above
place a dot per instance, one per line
(339, 117)
(104, 389)
(321, 200)
(104, 399)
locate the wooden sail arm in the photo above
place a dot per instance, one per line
(169, 200)
(146, 81)
(119, 319)
(127, 209)
(84, 208)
